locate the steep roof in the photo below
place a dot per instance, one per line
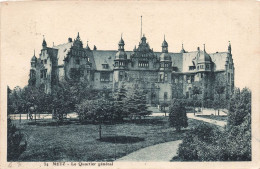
(189, 59)
(180, 60)
(63, 50)
(219, 60)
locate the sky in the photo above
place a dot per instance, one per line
(192, 23)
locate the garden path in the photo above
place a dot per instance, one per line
(216, 122)
(159, 152)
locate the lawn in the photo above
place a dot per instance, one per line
(220, 118)
(77, 142)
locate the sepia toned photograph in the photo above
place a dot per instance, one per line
(120, 84)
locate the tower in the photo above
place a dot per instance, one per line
(44, 44)
(165, 63)
(165, 73)
(229, 47)
(120, 63)
(32, 79)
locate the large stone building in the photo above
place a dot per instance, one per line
(163, 75)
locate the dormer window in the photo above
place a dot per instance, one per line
(192, 67)
(105, 66)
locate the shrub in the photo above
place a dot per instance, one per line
(14, 140)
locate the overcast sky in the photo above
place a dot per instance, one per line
(215, 23)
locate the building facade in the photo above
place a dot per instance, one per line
(163, 75)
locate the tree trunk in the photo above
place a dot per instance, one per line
(100, 131)
(20, 117)
(35, 116)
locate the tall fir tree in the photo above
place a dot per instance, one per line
(120, 109)
(177, 116)
(136, 104)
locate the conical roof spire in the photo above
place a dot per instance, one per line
(164, 44)
(229, 47)
(44, 44)
(87, 47)
(34, 57)
(182, 49)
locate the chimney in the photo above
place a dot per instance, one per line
(198, 48)
(69, 39)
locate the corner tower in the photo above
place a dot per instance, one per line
(120, 63)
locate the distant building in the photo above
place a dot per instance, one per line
(163, 75)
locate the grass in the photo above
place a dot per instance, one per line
(76, 142)
(220, 118)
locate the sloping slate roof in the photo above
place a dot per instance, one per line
(219, 60)
(187, 60)
(63, 49)
(177, 61)
(108, 56)
(103, 57)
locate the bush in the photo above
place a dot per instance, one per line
(14, 140)
(208, 143)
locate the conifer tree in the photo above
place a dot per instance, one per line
(177, 116)
(120, 103)
(136, 104)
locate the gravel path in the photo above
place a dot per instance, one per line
(160, 152)
(216, 122)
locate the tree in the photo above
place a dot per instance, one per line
(219, 90)
(136, 104)
(195, 91)
(14, 142)
(177, 116)
(240, 107)
(34, 97)
(61, 100)
(120, 103)
(10, 107)
(208, 143)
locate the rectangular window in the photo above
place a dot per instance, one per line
(192, 67)
(104, 76)
(41, 61)
(161, 78)
(45, 61)
(165, 95)
(143, 64)
(192, 78)
(207, 66)
(105, 66)
(165, 77)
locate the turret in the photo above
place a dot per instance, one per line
(182, 49)
(44, 44)
(164, 46)
(33, 61)
(32, 79)
(229, 47)
(165, 63)
(87, 47)
(120, 62)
